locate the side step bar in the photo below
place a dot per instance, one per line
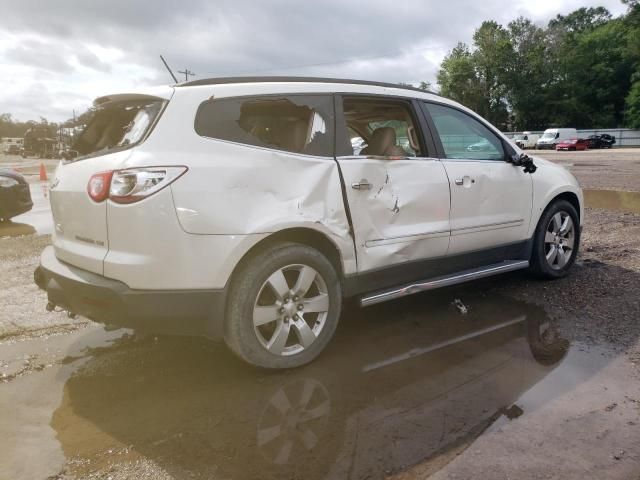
(443, 281)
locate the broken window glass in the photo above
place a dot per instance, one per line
(118, 125)
(296, 123)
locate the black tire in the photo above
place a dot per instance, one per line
(247, 284)
(539, 264)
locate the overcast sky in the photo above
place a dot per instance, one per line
(56, 56)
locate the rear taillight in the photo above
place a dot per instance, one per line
(98, 187)
(133, 184)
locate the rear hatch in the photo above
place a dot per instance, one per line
(80, 224)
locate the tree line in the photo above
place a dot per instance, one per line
(582, 70)
(10, 127)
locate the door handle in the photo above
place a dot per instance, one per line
(460, 181)
(361, 185)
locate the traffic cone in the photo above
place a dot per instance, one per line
(43, 172)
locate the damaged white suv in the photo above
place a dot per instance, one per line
(249, 208)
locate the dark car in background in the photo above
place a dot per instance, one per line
(604, 140)
(15, 197)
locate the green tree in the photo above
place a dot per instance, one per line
(530, 66)
(633, 104)
(458, 79)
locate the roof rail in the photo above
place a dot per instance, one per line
(228, 80)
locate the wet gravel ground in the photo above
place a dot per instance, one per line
(596, 308)
(600, 300)
(22, 304)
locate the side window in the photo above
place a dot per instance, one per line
(295, 123)
(464, 137)
(381, 128)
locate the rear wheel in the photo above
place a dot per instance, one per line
(556, 240)
(284, 305)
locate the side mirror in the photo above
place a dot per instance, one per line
(523, 160)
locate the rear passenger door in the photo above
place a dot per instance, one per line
(397, 191)
(491, 198)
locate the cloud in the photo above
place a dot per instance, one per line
(93, 48)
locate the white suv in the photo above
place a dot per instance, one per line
(248, 208)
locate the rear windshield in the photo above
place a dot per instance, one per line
(116, 126)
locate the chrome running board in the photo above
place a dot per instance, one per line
(443, 281)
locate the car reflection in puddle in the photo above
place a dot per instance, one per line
(401, 383)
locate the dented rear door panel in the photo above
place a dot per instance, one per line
(403, 216)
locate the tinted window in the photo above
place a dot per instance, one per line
(296, 123)
(462, 136)
(381, 128)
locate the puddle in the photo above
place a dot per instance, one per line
(39, 218)
(13, 229)
(400, 383)
(613, 200)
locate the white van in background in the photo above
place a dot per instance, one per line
(553, 136)
(526, 140)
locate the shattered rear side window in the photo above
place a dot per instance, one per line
(116, 127)
(296, 123)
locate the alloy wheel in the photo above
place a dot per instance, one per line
(291, 309)
(559, 240)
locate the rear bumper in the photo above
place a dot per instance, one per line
(108, 301)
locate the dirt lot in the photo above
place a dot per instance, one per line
(426, 391)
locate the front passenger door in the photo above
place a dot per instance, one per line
(491, 199)
(398, 193)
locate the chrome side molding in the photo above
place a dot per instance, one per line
(443, 281)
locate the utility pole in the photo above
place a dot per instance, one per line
(186, 72)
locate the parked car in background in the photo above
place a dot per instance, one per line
(574, 144)
(552, 136)
(241, 209)
(526, 140)
(12, 150)
(603, 140)
(15, 196)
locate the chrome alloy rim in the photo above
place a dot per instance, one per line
(559, 240)
(291, 309)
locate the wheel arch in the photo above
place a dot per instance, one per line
(568, 192)
(302, 235)
(570, 197)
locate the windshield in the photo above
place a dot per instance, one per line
(549, 135)
(117, 126)
(518, 137)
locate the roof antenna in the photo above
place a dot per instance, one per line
(168, 68)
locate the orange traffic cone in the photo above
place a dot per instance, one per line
(43, 173)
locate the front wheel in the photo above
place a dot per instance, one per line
(556, 240)
(284, 305)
